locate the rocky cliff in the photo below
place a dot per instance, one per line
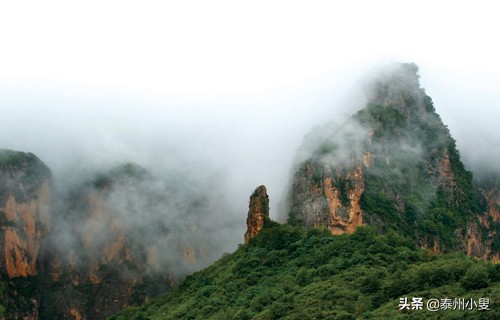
(485, 241)
(258, 212)
(94, 247)
(118, 251)
(24, 223)
(394, 165)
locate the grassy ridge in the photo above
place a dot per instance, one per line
(289, 273)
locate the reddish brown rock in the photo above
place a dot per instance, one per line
(24, 223)
(22, 233)
(329, 196)
(345, 217)
(258, 212)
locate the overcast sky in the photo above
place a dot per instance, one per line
(232, 86)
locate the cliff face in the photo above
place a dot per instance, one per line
(484, 235)
(21, 238)
(329, 197)
(103, 244)
(395, 165)
(258, 212)
(24, 223)
(99, 273)
(110, 260)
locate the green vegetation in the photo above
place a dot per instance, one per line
(18, 295)
(25, 169)
(120, 173)
(3, 285)
(13, 158)
(21, 160)
(409, 187)
(344, 186)
(289, 273)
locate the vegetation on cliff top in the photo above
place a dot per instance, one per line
(27, 170)
(289, 273)
(22, 160)
(122, 172)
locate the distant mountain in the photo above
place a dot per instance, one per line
(112, 240)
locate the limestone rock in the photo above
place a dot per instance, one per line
(24, 223)
(258, 213)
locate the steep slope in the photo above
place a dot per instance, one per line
(488, 189)
(24, 222)
(289, 273)
(116, 246)
(92, 267)
(394, 165)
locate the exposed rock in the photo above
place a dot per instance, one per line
(475, 246)
(120, 251)
(103, 271)
(329, 196)
(492, 195)
(22, 230)
(489, 221)
(75, 314)
(345, 216)
(394, 165)
(367, 159)
(258, 213)
(446, 176)
(24, 223)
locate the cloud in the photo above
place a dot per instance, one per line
(226, 92)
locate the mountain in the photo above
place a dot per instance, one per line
(98, 262)
(394, 165)
(381, 209)
(88, 249)
(24, 221)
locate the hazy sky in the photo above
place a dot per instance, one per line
(230, 86)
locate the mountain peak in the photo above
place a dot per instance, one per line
(398, 87)
(394, 165)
